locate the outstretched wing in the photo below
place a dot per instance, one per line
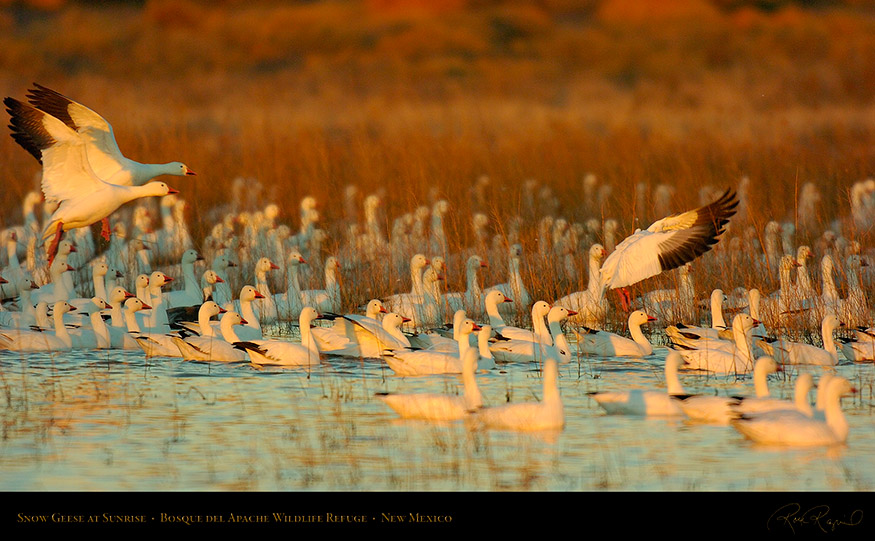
(104, 155)
(66, 172)
(668, 243)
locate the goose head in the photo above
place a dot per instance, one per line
(101, 304)
(468, 326)
(157, 189)
(295, 258)
(639, 317)
(540, 309)
(264, 264)
(209, 309)
(307, 316)
(249, 293)
(232, 318)
(179, 169)
(597, 252)
(418, 261)
(559, 313)
(134, 304)
(119, 295)
(159, 279)
(496, 297)
(829, 324)
(190, 256)
(211, 277)
(142, 281)
(374, 307)
(62, 307)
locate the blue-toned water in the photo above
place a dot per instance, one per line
(116, 421)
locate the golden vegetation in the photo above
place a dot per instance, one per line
(424, 97)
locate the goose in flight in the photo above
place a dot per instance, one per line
(667, 244)
(84, 198)
(104, 156)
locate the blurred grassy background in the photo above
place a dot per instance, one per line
(421, 95)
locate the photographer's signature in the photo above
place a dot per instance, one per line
(793, 516)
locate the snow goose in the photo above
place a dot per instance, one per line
(266, 306)
(762, 401)
(12, 272)
(787, 352)
(341, 335)
(799, 430)
(373, 338)
(191, 292)
(861, 348)
(514, 288)
(720, 356)
(673, 304)
(126, 338)
(803, 278)
(26, 340)
(718, 329)
(222, 294)
(515, 350)
(406, 302)
(647, 402)
(440, 407)
(68, 178)
(548, 414)
(606, 344)
(328, 299)
(591, 305)
(214, 348)
(26, 316)
(800, 405)
(285, 353)
(104, 156)
(97, 337)
(56, 290)
(854, 309)
(667, 244)
(405, 362)
(289, 304)
(189, 313)
(539, 333)
(492, 301)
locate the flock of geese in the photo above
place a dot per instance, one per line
(86, 179)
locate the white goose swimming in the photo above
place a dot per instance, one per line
(540, 332)
(285, 353)
(800, 430)
(425, 362)
(606, 344)
(647, 402)
(514, 350)
(328, 299)
(720, 356)
(97, 337)
(787, 352)
(441, 407)
(26, 340)
(548, 414)
(341, 336)
(472, 297)
(214, 348)
(514, 287)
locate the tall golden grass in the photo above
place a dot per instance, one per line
(420, 100)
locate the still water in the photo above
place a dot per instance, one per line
(116, 421)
